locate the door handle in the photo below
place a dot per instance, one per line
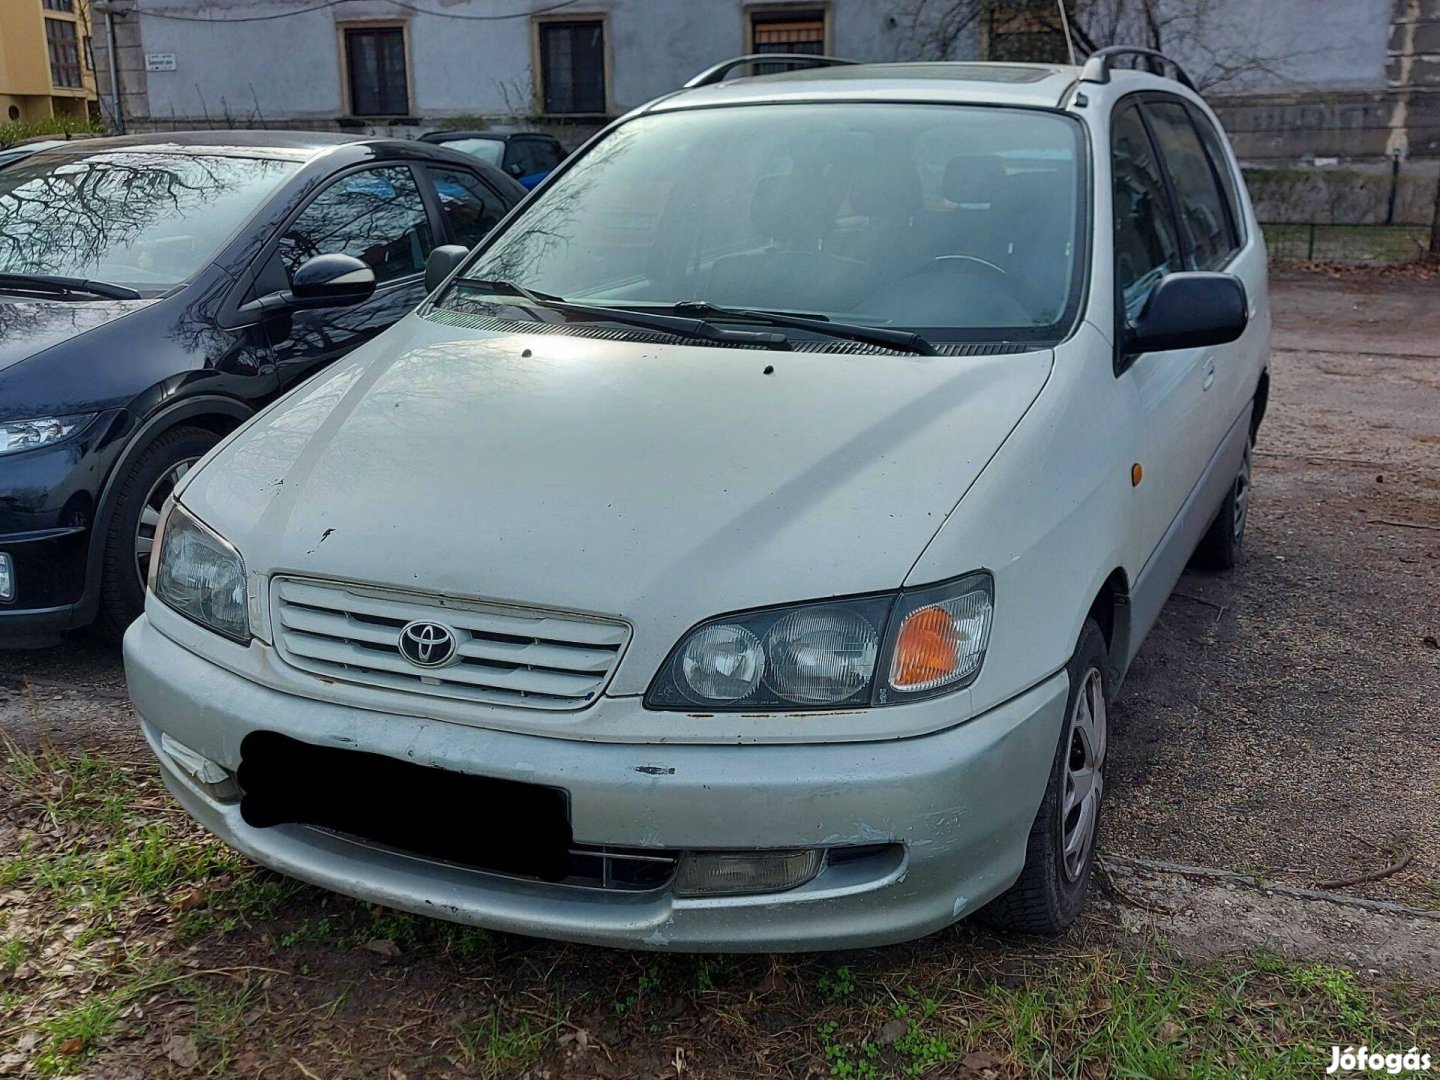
(1209, 374)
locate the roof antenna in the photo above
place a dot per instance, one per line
(1065, 25)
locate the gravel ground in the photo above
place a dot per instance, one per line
(1281, 719)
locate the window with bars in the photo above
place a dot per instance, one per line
(787, 30)
(375, 67)
(572, 66)
(64, 46)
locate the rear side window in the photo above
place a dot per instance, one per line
(470, 207)
(1146, 248)
(1204, 218)
(528, 156)
(376, 215)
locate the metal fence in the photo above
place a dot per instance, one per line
(1361, 245)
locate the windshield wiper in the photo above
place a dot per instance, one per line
(695, 329)
(55, 283)
(903, 340)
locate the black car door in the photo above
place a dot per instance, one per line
(377, 214)
(469, 205)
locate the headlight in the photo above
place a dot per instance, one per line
(201, 576)
(16, 435)
(872, 650)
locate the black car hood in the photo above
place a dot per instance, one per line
(28, 327)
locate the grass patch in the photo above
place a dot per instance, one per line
(14, 131)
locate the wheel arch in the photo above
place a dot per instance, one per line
(213, 412)
(1111, 611)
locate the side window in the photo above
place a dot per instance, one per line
(376, 215)
(471, 208)
(1146, 248)
(1209, 236)
(1215, 147)
(527, 156)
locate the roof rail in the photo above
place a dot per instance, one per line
(1097, 67)
(716, 74)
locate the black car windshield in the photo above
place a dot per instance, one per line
(134, 218)
(959, 223)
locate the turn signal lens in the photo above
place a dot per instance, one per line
(941, 641)
(926, 650)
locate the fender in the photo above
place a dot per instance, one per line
(200, 405)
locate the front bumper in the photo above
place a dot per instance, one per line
(961, 801)
(49, 567)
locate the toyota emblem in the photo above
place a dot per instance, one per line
(428, 644)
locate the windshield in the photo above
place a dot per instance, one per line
(491, 150)
(955, 222)
(144, 220)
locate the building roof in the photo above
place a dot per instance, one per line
(1042, 85)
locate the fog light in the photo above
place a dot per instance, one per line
(215, 780)
(734, 873)
(7, 579)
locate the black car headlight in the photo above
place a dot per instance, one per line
(870, 650)
(200, 575)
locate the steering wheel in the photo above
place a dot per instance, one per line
(975, 260)
(1015, 286)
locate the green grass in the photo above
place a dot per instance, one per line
(260, 972)
(14, 131)
(1359, 244)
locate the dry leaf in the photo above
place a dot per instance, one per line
(72, 1045)
(181, 1050)
(382, 947)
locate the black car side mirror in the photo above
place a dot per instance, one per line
(322, 281)
(441, 263)
(1189, 310)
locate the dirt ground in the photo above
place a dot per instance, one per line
(1278, 738)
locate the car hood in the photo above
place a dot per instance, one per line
(660, 483)
(28, 327)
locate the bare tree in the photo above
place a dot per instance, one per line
(1215, 39)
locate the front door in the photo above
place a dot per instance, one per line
(1170, 387)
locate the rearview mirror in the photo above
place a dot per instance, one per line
(442, 262)
(1190, 310)
(323, 281)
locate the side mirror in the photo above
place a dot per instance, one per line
(441, 263)
(323, 281)
(1190, 310)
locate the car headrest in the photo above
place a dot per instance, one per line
(974, 178)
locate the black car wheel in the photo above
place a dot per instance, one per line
(1060, 852)
(130, 540)
(1219, 548)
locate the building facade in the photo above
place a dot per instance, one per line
(47, 65)
(1301, 84)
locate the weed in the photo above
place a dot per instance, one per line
(837, 984)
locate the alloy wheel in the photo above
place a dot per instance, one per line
(1084, 776)
(150, 515)
(1242, 495)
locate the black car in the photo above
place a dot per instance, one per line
(527, 156)
(155, 291)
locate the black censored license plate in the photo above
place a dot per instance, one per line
(498, 825)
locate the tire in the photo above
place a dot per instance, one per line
(1219, 548)
(144, 488)
(1060, 852)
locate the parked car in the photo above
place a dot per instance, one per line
(155, 291)
(34, 146)
(527, 156)
(744, 545)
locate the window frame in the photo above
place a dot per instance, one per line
(537, 60)
(790, 7)
(1226, 178)
(1163, 159)
(435, 206)
(54, 44)
(342, 34)
(258, 277)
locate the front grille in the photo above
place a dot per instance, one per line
(505, 655)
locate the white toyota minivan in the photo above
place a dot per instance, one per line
(741, 548)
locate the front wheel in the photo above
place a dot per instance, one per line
(1060, 853)
(130, 540)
